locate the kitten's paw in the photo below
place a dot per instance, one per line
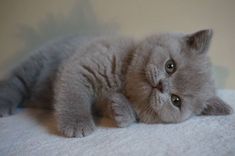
(121, 111)
(77, 128)
(6, 109)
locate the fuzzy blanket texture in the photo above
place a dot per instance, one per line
(33, 132)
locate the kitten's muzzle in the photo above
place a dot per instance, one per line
(159, 86)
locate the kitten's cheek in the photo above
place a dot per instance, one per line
(145, 89)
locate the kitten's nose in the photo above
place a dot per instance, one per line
(159, 86)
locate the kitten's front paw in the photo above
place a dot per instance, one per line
(77, 127)
(121, 111)
(6, 109)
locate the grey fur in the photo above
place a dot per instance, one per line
(116, 77)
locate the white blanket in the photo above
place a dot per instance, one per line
(33, 132)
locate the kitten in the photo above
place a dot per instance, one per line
(162, 78)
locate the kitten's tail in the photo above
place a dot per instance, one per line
(15, 89)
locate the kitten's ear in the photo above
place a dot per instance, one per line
(199, 41)
(216, 106)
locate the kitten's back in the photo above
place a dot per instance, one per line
(31, 82)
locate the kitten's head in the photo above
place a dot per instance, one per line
(169, 79)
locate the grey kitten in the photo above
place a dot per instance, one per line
(162, 78)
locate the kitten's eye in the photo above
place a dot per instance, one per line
(176, 100)
(170, 66)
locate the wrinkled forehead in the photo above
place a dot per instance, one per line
(188, 80)
(192, 73)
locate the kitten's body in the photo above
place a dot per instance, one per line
(116, 77)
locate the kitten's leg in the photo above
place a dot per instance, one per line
(73, 111)
(119, 109)
(12, 93)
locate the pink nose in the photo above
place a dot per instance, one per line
(159, 86)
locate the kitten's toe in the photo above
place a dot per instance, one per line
(123, 120)
(122, 114)
(84, 130)
(6, 109)
(77, 128)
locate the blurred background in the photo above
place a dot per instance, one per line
(27, 24)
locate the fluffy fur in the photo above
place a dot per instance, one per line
(121, 78)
